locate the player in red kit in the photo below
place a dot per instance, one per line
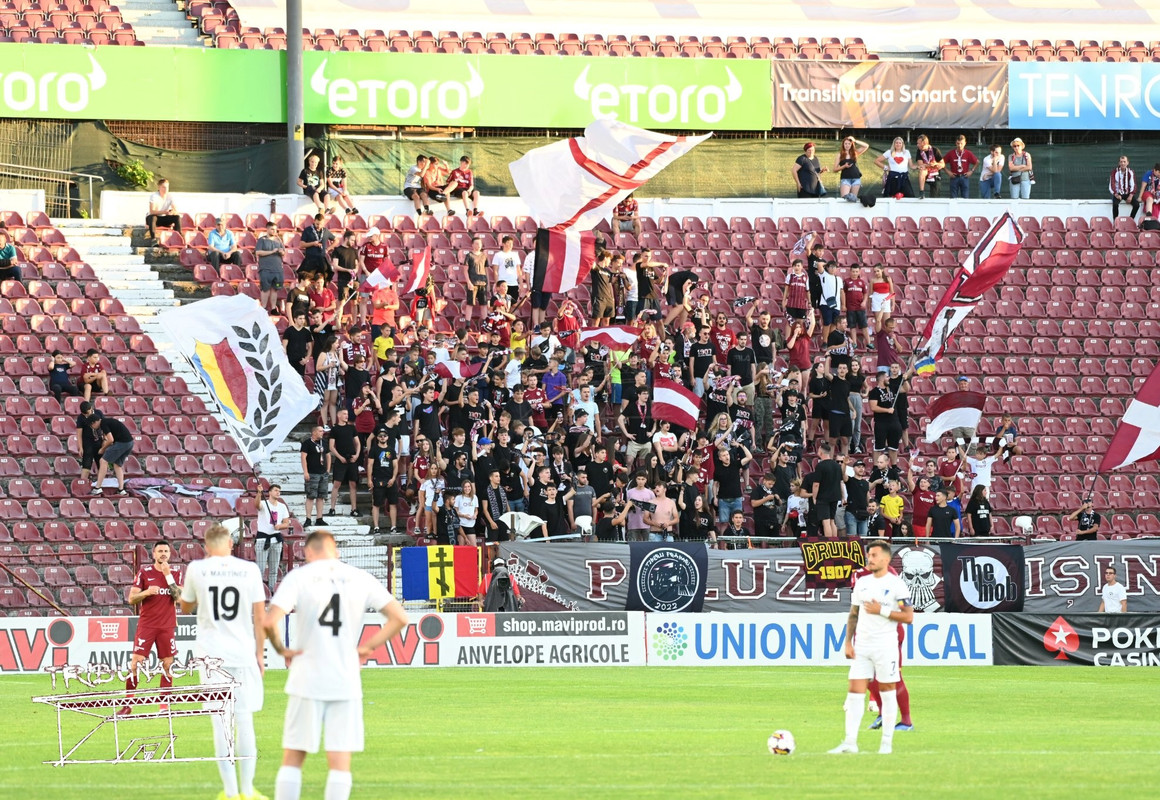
(905, 724)
(155, 590)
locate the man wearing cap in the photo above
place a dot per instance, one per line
(806, 172)
(497, 565)
(966, 434)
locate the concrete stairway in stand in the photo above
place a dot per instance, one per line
(109, 251)
(159, 23)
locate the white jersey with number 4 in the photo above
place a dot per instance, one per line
(874, 630)
(329, 598)
(225, 589)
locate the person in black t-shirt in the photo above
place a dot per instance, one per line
(942, 521)
(978, 512)
(298, 342)
(88, 438)
(827, 489)
(314, 471)
(116, 445)
(702, 355)
(767, 506)
(742, 361)
(727, 471)
(857, 500)
(841, 425)
(880, 477)
(345, 449)
(345, 260)
(426, 415)
(766, 340)
(382, 480)
(1088, 521)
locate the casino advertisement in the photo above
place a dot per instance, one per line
(1077, 639)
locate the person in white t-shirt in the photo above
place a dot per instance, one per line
(230, 601)
(324, 685)
(879, 603)
(1114, 595)
(162, 210)
(982, 464)
(508, 267)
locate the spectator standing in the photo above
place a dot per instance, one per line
(1019, 166)
(383, 478)
(1088, 520)
(345, 449)
(942, 521)
(162, 210)
(462, 185)
(832, 295)
(88, 438)
(827, 493)
(728, 468)
(298, 342)
(9, 265)
(315, 468)
(475, 260)
(345, 261)
(846, 165)
(413, 186)
(316, 242)
(855, 300)
(889, 346)
(115, 448)
(223, 246)
(1113, 595)
(881, 299)
(312, 182)
(991, 178)
(273, 522)
(857, 501)
(960, 164)
(384, 304)
(896, 163)
(977, 514)
(807, 171)
(336, 185)
(269, 250)
(930, 164)
(507, 266)
(1122, 185)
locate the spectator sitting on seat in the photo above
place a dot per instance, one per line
(434, 179)
(462, 185)
(115, 447)
(58, 380)
(1008, 431)
(1122, 185)
(162, 210)
(626, 216)
(312, 182)
(413, 188)
(1150, 191)
(336, 185)
(9, 267)
(269, 251)
(223, 246)
(93, 376)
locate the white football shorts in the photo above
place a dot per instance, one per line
(883, 663)
(306, 719)
(250, 692)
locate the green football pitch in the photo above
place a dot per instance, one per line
(670, 733)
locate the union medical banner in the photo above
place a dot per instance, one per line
(889, 94)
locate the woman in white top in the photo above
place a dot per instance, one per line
(467, 507)
(430, 499)
(327, 369)
(896, 163)
(991, 177)
(1019, 165)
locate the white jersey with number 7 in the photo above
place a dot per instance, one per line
(329, 598)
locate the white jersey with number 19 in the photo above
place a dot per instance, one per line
(225, 589)
(329, 598)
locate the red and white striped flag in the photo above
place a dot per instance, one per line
(564, 257)
(1138, 436)
(615, 337)
(420, 269)
(954, 410)
(675, 403)
(456, 370)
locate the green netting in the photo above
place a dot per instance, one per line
(734, 167)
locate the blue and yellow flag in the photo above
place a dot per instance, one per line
(432, 573)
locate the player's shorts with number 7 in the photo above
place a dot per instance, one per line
(881, 663)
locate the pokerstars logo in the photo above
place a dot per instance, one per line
(636, 102)
(400, 98)
(66, 91)
(1061, 638)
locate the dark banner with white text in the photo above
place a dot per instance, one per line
(1091, 640)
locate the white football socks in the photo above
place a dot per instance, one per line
(288, 785)
(225, 768)
(246, 745)
(338, 785)
(855, 707)
(889, 716)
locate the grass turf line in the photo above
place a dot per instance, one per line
(668, 733)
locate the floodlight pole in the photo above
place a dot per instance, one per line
(295, 116)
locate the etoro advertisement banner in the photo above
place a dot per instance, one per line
(207, 84)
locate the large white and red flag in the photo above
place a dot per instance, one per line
(986, 265)
(954, 410)
(1138, 436)
(456, 370)
(573, 184)
(615, 337)
(420, 269)
(675, 403)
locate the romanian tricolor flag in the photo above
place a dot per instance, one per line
(432, 573)
(223, 375)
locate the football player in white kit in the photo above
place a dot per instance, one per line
(880, 602)
(324, 684)
(230, 600)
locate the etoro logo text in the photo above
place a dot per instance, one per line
(68, 91)
(399, 98)
(636, 102)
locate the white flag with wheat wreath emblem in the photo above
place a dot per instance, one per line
(237, 352)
